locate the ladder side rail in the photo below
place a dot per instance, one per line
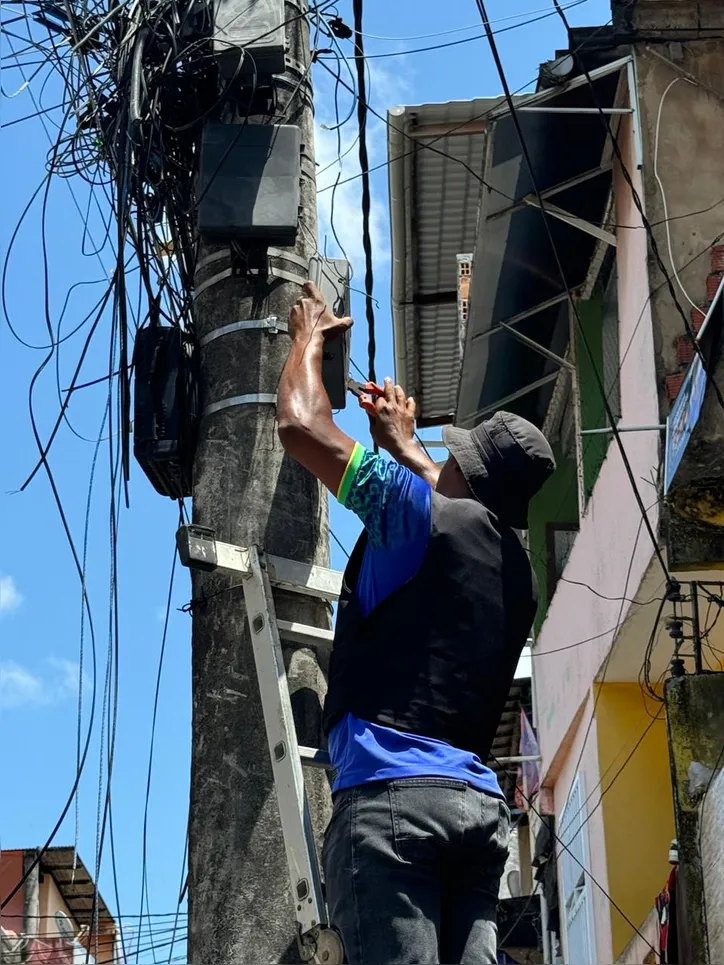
(283, 748)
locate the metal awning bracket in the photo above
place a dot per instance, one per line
(537, 347)
(501, 403)
(575, 222)
(521, 316)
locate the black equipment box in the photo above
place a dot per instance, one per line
(249, 37)
(332, 276)
(166, 408)
(249, 183)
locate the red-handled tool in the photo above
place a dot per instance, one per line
(365, 392)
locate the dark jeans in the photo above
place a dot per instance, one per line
(412, 870)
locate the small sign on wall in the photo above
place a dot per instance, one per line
(686, 410)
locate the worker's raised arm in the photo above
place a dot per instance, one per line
(393, 428)
(304, 414)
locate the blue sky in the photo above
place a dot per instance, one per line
(40, 603)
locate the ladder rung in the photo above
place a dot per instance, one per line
(305, 579)
(199, 549)
(314, 757)
(301, 633)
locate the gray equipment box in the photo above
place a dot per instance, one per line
(249, 37)
(332, 276)
(249, 182)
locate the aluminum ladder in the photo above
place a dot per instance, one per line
(199, 549)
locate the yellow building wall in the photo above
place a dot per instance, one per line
(638, 811)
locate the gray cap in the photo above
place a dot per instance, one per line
(505, 461)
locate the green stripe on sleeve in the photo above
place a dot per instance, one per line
(350, 472)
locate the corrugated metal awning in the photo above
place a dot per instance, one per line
(436, 156)
(75, 885)
(445, 159)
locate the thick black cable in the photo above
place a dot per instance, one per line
(359, 59)
(339, 542)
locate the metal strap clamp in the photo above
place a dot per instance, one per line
(213, 280)
(272, 324)
(254, 398)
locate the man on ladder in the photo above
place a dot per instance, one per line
(437, 604)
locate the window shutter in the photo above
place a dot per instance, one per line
(575, 884)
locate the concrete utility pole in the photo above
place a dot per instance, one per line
(250, 492)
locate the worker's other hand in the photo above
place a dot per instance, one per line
(310, 315)
(393, 424)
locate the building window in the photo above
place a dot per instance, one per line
(575, 883)
(559, 539)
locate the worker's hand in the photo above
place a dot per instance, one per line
(310, 315)
(393, 424)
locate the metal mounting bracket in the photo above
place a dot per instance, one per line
(196, 547)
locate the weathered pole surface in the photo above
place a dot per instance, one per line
(250, 492)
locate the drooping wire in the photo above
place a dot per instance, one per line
(470, 26)
(149, 771)
(467, 40)
(571, 300)
(614, 904)
(647, 225)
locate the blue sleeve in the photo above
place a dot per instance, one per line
(394, 506)
(392, 502)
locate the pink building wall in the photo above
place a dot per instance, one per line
(11, 871)
(611, 553)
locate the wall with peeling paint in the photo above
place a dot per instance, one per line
(712, 860)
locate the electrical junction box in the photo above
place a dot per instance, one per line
(249, 183)
(165, 408)
(332, 277)
(249, 37)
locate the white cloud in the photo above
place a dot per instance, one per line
(10, 596)
(337, 156)
(21, 687)
(66, 676)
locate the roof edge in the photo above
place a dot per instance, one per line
(397, 118)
